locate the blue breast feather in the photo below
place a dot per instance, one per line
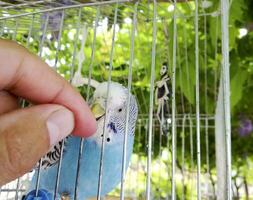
(89, 169)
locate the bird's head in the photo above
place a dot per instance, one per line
(110, 113)
(164, 69)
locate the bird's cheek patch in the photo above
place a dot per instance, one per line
(112, 127)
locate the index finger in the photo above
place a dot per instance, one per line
(26, 75)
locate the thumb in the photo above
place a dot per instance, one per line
(27, 134)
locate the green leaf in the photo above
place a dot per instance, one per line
(186, 80)
(236, 11)
(214, 30)
(236, 89)
(233, 33)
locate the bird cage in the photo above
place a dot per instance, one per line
(182, 142)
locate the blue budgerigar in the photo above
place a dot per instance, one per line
(89, 164)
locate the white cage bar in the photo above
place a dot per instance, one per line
(174, 165)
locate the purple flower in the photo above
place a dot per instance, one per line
(54, 18)
(245, 127)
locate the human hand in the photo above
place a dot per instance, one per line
(27, 134)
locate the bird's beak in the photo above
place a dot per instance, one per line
(97, 110)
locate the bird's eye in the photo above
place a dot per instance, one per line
(108, 139)
(120, 110)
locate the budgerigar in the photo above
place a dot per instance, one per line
(90, 161)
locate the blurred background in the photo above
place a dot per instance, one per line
(78, 41)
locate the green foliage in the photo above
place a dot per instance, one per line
(237, 83)
(210, 60)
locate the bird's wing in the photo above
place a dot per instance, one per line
(53, 155)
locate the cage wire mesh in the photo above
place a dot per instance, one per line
(174, 155)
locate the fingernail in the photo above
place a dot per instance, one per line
(60, 124)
